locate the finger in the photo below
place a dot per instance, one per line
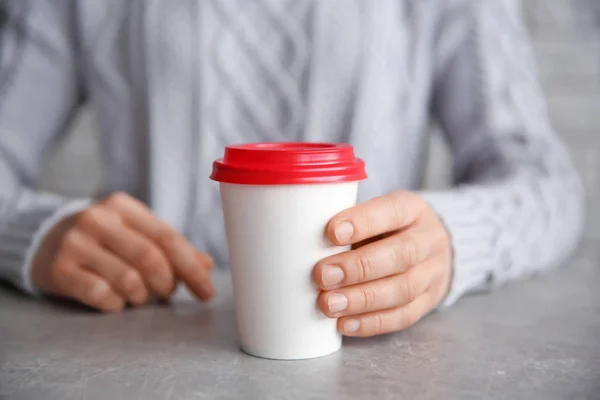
(130, 246)
(199, 281)
(381, 322)
(382, 294)
(377, 216)
(122, 277)
(75, 282)
(392, 255)
(190, 265)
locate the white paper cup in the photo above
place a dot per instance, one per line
(276, 236)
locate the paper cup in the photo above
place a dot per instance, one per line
(277, 200)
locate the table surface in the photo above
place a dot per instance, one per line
(538, 339)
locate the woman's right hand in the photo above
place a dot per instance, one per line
(117, 252)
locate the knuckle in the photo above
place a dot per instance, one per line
(369, 298)
(406, 196)
(397, 207)
(152, 266)
(405, 203)
(367, 227)
(99, 294)
(130, 281)
(71, 239)
(60, 270)
(364, 267)
(377, 323)
(146, 256)
(408, 250)
(167, 239)
(390, 257)
(408, 289)
(91, 217)
(116, 199)
(398, 195)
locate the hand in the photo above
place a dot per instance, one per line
(117, 252)
(398, 271)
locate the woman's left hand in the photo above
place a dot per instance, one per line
(399, 269)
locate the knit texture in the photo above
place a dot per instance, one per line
(174, 82)
(259, 54)
(254, 68)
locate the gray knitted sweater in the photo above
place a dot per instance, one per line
(172, 82)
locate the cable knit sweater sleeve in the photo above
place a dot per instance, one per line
(38, 95)
(517, 206)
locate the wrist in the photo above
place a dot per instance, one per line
(44, 243)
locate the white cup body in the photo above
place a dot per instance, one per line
(276, 236)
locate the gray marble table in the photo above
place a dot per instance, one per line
(538, 339)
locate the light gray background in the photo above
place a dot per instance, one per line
(566, 35)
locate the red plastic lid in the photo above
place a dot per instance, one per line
(288, 163)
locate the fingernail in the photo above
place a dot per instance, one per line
(351, 325)
(344, 231)
(337, 302)
(332, 275)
